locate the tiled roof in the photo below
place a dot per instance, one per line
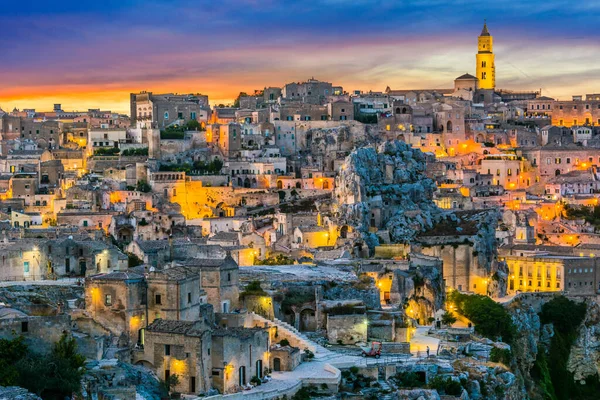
(188, 328)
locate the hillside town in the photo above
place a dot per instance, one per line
(306, 241)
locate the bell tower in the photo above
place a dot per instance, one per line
(486, 70)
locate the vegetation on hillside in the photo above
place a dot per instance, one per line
(51, 376)
(490, 318)
(550, 370)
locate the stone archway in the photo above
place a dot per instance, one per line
(344, 232)
(308, 321)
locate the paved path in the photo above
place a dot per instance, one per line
(421, 340)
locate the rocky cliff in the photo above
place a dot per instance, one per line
(388, 180)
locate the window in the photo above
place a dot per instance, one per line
(568, 160)
(167, 350)
(108, 300)
(483, 64)
(158, 299)
(229, 276)
(166, 115)
(26, 267)
(189, 297)
(24, 326)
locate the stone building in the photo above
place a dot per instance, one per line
(174, 293)
(312, 91)
(181, 348)
(238, 355)
(67, 257)
(162, 110)
(219, 280)
(117, 301)
(546, 273)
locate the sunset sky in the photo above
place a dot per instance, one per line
(93, 54)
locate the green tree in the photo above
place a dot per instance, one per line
(133, 260)
(11, 351)
(490, 318)
(193, 125)
(143, 186)
(448, 319)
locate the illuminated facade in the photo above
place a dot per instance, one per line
(486, 69)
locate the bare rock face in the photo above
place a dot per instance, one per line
(584, 359)
(16, 393)
(525, 347)
(388, 180)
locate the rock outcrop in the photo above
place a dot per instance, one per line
(584, 359)
(385, 188)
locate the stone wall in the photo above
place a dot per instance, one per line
(347, 329)
(40, 333)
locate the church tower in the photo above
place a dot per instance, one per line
(486, 70)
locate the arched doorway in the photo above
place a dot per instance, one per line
(557, 172)
(279, 185)
(449, 126)
(326, 184)
(308, 322)
(246, 183)
(344, 232)
(277, 364)
(298, 185)
(240, 182)
(242, 375)
(254, 183)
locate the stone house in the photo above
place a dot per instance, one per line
(22, 260)
(24, 186)
(68, 257)
(238, 355)
(174, 293)
(311, 237)
(220, 280)
(181, 348)
(117, 301)
(284, 358)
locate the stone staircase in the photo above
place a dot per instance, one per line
(386, 387)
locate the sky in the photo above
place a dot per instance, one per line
(92, 54)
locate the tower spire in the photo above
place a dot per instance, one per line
(484, 31)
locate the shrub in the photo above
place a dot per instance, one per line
(135, 152)
(253, 289)
(284, 342)
(255, 380)
(448, 319)
(309, 354)
(106, 151)
(500, 355)
(447, 386)
(409, 380)
(143, 186)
